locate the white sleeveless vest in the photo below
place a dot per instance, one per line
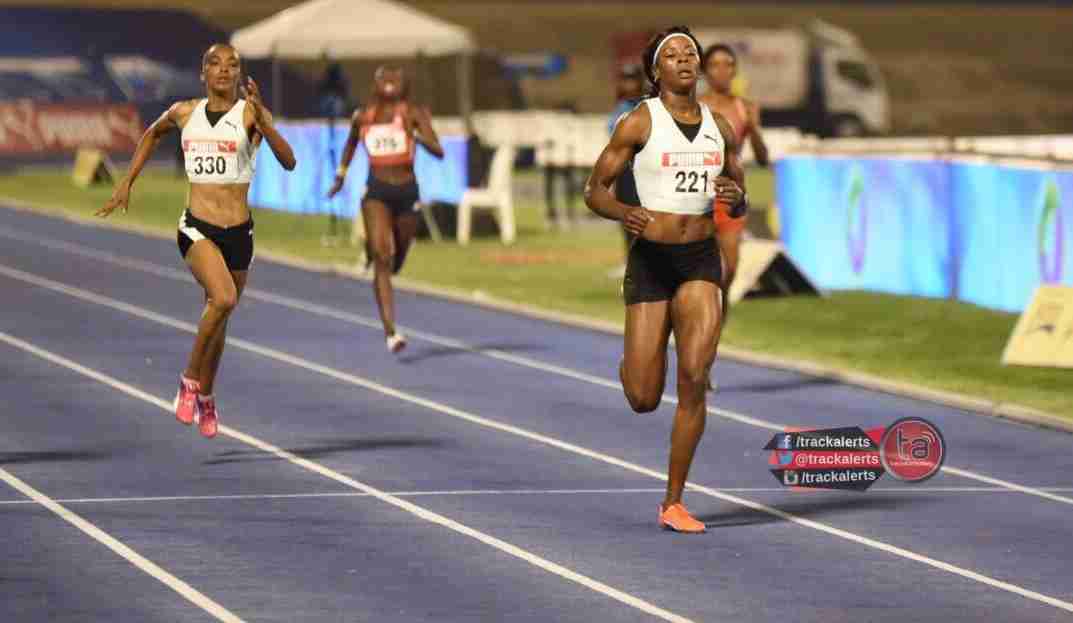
(220, 154)
(673, 173)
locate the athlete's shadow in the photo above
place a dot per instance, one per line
(831, 504)
(778, 386)
(58, 456)
(327, 448)
(423, 354)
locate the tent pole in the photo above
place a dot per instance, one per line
(465, 86)
(419, 79)
(277, 86)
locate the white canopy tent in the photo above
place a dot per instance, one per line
(357, 29)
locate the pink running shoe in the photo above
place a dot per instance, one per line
(186, 400)
(207, 420)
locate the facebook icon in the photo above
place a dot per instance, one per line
(785, 442)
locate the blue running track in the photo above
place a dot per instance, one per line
(492, 472)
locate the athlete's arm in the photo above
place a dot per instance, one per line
(263, 120)
(631, 131)
(730, 187)
(756, 139)
(348, 153)
(167, 122)
(425, 134)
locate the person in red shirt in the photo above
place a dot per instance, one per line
(389, 128)
(720, 66)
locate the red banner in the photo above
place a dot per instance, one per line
(28, 127)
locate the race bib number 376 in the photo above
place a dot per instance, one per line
(385, 140)
(691, 172)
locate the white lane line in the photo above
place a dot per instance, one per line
(420, 512)
(338, 494)
(909, 490)
(1006, 484)
(521, 432)
(190, 593)
(196, 498)
(337, 314)
(357, 319)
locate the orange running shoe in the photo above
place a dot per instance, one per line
(207, 417)
(186, 400)
(677, 518)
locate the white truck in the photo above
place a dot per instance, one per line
(816, 78)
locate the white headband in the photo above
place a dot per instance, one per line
(655, 55)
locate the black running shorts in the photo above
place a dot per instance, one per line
(399, 199)
(235, 243)
(654, 270)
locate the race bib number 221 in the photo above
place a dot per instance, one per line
(690, 172)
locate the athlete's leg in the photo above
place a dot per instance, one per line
(730, 243)
(380, 232)
(212, 357)
(695, 312)
(221, 295)
(405, 232)
(729, 237)
(643, 370)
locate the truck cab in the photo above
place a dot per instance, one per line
(818, 78)
(857, 103)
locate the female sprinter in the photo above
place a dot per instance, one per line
(720, 66)
(683, 158)
(388, 129)
(220, 137)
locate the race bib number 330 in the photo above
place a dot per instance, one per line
(691, 172)
(210, 160)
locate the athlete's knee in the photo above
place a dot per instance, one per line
(396, 262)
(224, 300)
(384, 256)
(644, 397)
(730, 269)
(728, 276)
(693, 374)
(642, 401)
(726, 282)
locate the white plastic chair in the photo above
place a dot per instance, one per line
(498, 195)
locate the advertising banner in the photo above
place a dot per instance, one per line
(987, 234)
(34, 128)
(871, 224)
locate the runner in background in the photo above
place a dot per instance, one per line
(389, 128)
(720, 69)
(629, 92)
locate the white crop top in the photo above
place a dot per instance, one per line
(220, 154)
(673, 173)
